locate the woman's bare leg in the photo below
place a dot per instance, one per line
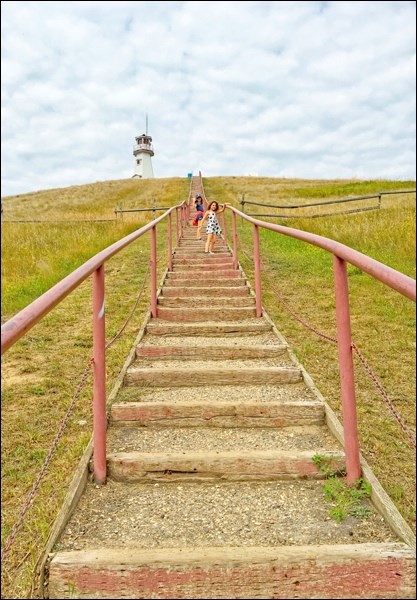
(209, 242)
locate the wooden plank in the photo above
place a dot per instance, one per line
(206, 292)
(255, 465)
(157, 327)
(218, 301)
(327, 572)
(230, 273)
(218, 414)
(219, 376)
(239, 313)
(205, 282)
(214, 352)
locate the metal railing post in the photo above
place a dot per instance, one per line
(153, 272)
(99, 370)
(257, 265)
(347, 381)
(224, 227)
(177, 224)
(235, 261)
(169, 242)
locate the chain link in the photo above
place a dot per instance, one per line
(16, 527)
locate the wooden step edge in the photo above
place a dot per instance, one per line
(253, 465)
(372, 570)
(220, 376)
(218, 313)
(217, 414)
(215, 301)
(207, 328)
(216, 352)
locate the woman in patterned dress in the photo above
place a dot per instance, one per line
(213, 227)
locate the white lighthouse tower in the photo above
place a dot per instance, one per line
(143, 151)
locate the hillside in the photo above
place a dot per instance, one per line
(42, 371)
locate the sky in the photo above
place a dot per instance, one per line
(311, 90)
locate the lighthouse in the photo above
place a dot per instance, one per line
(143, 152)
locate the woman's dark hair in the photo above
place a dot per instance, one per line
(217, 206)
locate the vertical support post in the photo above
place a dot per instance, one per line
(178, 224)
(243, 208)
(169, 242)
(153, 209)
(153, 272)
(234, 240)
(224, 227)
(257, 265)
(344, 341)
(99, 371)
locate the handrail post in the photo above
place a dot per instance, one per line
(169, 242)
(257, 264)
(177, 224)
(99, 370)
(224, 227)
(234, 240)
(153, 272)
(347, 381)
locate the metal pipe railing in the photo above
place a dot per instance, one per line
(23, 321)
(341, 255)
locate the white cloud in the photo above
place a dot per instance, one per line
(294, 89)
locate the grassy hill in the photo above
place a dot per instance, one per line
(42, 371)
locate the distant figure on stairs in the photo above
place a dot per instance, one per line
(199, 207)
(213, 228)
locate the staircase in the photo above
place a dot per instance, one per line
(212, 491)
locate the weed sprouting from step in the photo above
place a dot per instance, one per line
(346, 499)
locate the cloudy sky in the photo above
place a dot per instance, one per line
(279, 89)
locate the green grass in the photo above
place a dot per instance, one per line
(42, 370)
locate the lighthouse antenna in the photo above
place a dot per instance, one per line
(146, 123)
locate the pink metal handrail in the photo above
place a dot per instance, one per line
(341, 255)
(23, 321)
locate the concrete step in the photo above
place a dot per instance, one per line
(224, 414)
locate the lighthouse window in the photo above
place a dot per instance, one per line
(138, 161)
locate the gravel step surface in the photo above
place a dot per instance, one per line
(263, 339)
(222, 514)
(206, 363)
(226, 393)
(184, 439)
